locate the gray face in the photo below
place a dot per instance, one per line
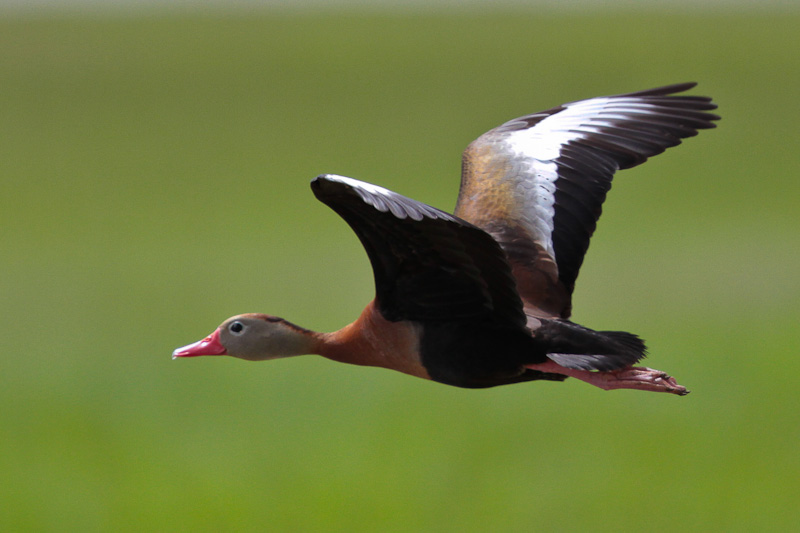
(261, 337)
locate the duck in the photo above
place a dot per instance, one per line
(482, 297)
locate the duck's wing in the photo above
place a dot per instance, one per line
(537, 183)
(428, 264)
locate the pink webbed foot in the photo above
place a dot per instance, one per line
(634, 377)
(639, 378)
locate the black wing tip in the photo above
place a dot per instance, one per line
(326, 186)
(318, 183)
(332, 189)
(700, 103)
(665, 90)
(670, 92)
(323, 184)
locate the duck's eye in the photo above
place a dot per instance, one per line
(236, 327)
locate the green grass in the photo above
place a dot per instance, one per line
(154, 180)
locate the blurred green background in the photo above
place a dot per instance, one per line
(154, 180)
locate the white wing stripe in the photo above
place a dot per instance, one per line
(358, 184)
(541, 198)
(541, 146)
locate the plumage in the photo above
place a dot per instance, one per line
(482, 297)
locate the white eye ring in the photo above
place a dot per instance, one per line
(237, 328)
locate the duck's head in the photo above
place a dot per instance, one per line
(254, 337)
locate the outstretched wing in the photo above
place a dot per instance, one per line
(428, 264)
(537, 183)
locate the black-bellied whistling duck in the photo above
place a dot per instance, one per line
(482, 297)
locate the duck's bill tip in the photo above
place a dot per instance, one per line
(208, 346)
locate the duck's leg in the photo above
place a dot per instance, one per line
(632, 377)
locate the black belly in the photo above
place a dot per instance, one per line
(474, 356)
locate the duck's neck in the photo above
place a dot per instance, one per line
(374, 341)
(349, 344)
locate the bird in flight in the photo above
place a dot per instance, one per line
(482, 297)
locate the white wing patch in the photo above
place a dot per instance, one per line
(539, 194)
(544, 141)
(540, 147)
(363, 185)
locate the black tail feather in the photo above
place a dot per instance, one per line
(580, 348)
